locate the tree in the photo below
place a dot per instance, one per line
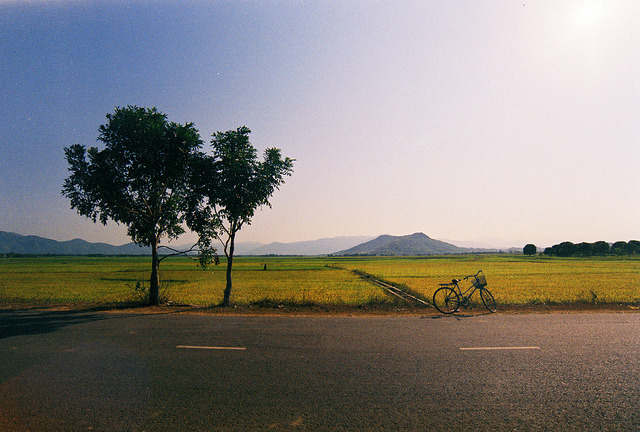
(229, 186)
(566, 249)
(633, 246)
(530, 249)
(619, 248)
(584, 249)
(600, 248)
(139, 179)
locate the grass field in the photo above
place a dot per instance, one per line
(327, 282)
(518, 280)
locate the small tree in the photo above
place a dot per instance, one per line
(230, 185)
(139, 179)
(530, 249)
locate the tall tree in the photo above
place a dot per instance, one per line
(231, 184)
(138, 179)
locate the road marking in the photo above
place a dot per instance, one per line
(500, 348)
(211, 347)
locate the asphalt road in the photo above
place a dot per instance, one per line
(102, 371)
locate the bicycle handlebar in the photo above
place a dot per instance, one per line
(454, 281)
(475, 275)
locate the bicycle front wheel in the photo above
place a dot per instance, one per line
(446, 300)
(488, 300)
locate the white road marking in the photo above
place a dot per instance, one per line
(500, 348)
(210, 347)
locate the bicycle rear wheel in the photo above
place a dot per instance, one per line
(446, 300)
(488, 300)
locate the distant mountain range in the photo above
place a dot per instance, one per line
(323, 246)
(386, 245)
(34, 245)
(409, 245)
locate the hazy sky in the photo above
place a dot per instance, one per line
(496, 121)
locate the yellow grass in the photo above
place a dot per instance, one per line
(113, 279)
(518, 280)
(514, 280)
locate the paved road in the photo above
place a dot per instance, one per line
(78, 371)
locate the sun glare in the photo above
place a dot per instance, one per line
(588, 15)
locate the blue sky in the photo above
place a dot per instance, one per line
(496, 121)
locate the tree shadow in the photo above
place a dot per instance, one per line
(21, 322)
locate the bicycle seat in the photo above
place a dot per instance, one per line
(455, 280)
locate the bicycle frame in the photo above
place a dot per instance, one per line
(445, 302)
(464, 298)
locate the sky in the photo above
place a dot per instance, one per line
(502, 122)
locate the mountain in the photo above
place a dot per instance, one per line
(241, 248)
(34, 245)
(409, 245)
(323, 246)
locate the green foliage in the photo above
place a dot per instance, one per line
(633, 246)
(229, 186)
(599, 248)
(584, 249)
(619, 248)
(207, 254)
(139, 179)
(530, 249)
(140, 294)
(152, 177)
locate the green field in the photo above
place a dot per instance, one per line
(326, 282)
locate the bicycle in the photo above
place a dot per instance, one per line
(448, 298)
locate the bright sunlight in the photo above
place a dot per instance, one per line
(588, 15)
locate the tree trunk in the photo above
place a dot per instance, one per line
(154, 283)
(227, 289)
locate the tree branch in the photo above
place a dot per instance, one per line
(205, 256)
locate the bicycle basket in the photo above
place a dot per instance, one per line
(481, 280)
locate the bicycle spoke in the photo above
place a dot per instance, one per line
(446, 300)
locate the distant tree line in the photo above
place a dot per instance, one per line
(599, 248)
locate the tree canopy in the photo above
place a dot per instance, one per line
(152, 177)
(599, 248)
(230, 185)
(139, 178)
